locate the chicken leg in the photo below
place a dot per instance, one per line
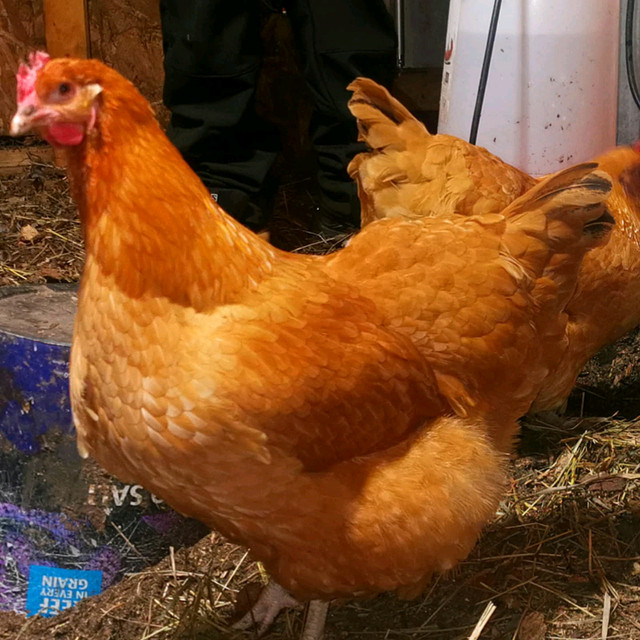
(274, 599)
(313, 628)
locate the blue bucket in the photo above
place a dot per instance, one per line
(67, 529)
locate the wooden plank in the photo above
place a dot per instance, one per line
(17, 160)
(66, 28)
(21, 31)
(125, 35)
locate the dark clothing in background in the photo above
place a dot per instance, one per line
(213, 53)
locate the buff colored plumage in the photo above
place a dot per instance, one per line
(606, 302)
(345, 416)
(410, 173)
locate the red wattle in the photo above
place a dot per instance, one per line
(65, 134)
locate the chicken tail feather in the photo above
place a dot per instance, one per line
(382, 121)
(384, 124)
(552, 226)
(566, 207)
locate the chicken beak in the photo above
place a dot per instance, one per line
(22, 121)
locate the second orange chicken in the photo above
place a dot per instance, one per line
(410, 173)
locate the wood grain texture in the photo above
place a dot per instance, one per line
(66, 28)
(17, 160)
(124, 34)
(21, 30)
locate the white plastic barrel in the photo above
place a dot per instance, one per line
(551, 96)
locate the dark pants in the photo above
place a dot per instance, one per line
(213, 53)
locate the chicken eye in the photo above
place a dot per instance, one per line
(63, 92)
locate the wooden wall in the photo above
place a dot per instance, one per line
(122, 33)
(21, 29)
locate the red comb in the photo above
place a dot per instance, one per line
(27, 73)
(636, 146)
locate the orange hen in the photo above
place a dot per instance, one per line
(410, 173)
(343, 416)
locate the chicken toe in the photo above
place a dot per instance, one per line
(271, 601)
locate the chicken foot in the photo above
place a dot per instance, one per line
(274, 599)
